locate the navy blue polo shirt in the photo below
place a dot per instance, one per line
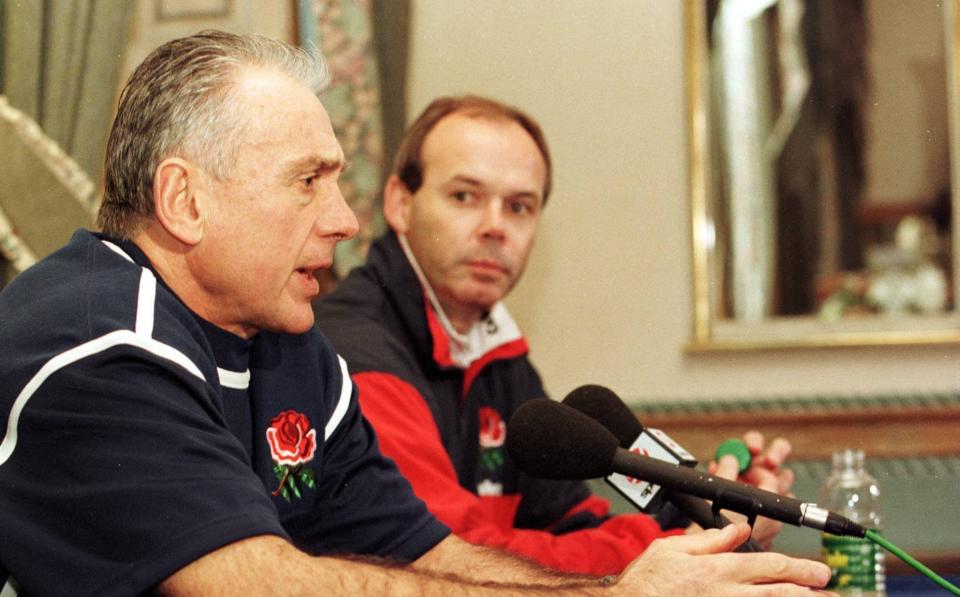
(138, 437)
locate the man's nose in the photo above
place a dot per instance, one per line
(492, 224)
(338, 221)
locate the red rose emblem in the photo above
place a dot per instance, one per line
(493, 431)
(291, 439)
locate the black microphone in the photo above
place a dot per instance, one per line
(550, 440)
(605, 407)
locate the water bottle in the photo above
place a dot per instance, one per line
(857, 564)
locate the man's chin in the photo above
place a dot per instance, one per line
(295, 324)
(485, 299)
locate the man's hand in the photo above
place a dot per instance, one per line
(766, 467)
(699, 564)
(766, 472)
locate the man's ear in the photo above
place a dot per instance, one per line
(178, 200)
(397, 200)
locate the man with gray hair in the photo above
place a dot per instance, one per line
(173, 419)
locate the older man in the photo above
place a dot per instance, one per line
(173, 419)
(440, 363)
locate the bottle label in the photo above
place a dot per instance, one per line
(856, 563)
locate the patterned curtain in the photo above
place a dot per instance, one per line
(343, 30)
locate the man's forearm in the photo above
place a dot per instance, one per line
(486, 565)
(270, 565)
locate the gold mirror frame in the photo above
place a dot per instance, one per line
(711, 333)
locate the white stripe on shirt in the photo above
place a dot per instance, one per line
(95, 346)
(146, 299)
(346, 391)
(235, 380)
(8, 589)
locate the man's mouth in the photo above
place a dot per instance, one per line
(489, 266)
(313, 268)
(308, 277)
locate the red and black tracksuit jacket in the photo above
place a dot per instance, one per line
(444, 426)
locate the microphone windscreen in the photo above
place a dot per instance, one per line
(551, 441)
(606, 408)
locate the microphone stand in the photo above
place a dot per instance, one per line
(699, 511)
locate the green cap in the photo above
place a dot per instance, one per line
(738, 449)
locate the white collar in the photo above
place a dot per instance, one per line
(497, 329)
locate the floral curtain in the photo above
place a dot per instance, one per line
(343, 30)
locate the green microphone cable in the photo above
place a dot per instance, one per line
(879, 540)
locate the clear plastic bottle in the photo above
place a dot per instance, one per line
(857, 564)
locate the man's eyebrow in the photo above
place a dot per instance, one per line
(474, 182)
(463, 178)
(315, 162)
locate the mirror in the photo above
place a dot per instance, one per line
(824, 170)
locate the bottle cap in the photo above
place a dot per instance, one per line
(738, 449)
(848, 458)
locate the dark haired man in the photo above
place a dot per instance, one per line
(441, 365)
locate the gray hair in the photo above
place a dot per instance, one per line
(181, 101)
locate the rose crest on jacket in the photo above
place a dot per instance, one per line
(493, 434)
(293, 443)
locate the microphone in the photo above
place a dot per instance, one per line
(605, 407)
(550, 440)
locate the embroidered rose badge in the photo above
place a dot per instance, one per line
(493, 433)
(292, 444)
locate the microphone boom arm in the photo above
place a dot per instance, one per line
(730, 495)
